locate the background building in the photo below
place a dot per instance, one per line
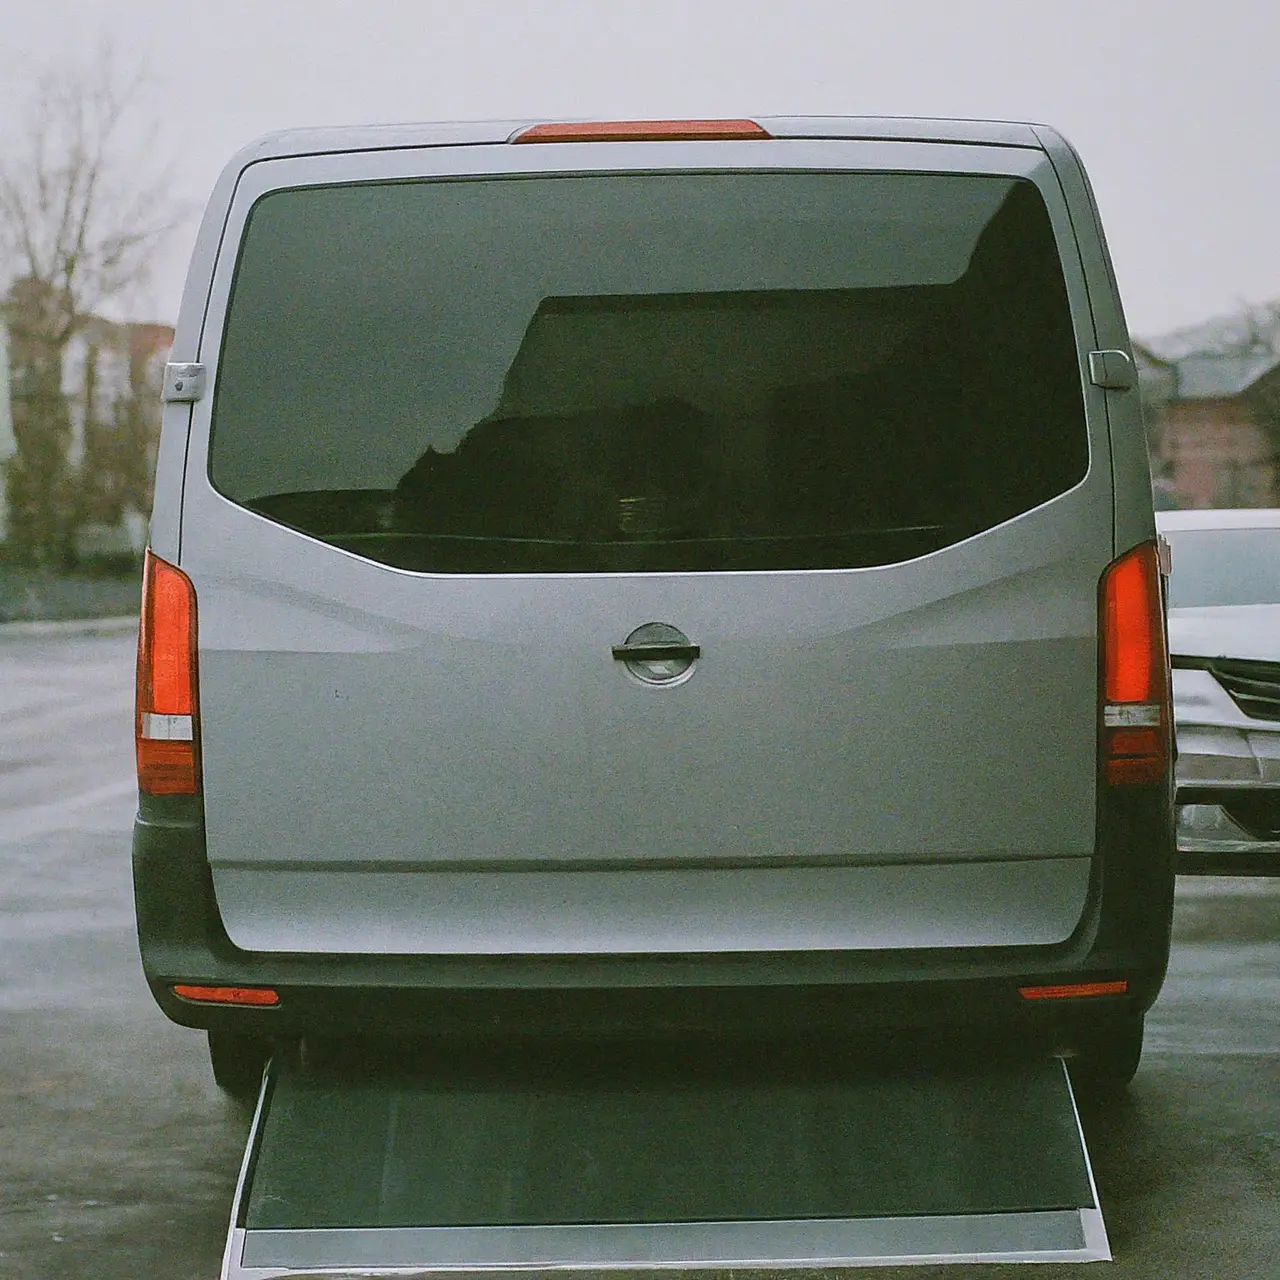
(1212, 400)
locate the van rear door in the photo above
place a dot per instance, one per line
(648, 547)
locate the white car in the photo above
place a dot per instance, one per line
(1224, 638)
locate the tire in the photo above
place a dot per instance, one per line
(238, 1063)
(1108, 1057)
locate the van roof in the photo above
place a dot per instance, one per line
(293, 142)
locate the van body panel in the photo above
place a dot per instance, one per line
(165, 527)
(585, 767)
(987, 133)
(702, 911)
(1134, 521)
(909, 745)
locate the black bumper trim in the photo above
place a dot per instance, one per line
(1124, 932)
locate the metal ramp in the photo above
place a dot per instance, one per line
(658, 1160)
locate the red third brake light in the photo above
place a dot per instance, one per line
(1133, 685)
(166, 711)
(642, 131)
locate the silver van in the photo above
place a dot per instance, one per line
(630, 577)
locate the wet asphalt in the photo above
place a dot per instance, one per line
(118, 1157)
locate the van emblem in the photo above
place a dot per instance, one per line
(658, 653)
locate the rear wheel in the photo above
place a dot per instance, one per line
(1108, 1056)
(238, 1061)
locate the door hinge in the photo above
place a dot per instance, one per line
(1112, 370)
(183, 383)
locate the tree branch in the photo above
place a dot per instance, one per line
(81, 213)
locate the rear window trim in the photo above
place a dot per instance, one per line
(889, 566)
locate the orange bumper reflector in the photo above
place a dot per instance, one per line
(227, 995)
(643, 131)
(1071, 990)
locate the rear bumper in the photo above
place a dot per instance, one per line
(1124, 934)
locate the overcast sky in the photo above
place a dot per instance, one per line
(1175, 107)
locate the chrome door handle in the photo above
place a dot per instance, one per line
(656, 652)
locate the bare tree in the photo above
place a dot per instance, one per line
(84, 205)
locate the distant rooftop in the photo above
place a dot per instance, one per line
(1223, 335)
(1220, 358)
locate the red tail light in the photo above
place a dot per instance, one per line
(166, 717)
(1133, 685)
(642, 131)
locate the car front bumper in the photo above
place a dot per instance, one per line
(1226, 761)
(1210, 842)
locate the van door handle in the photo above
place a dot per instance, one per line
(656, 652)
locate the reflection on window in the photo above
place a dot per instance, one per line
(719, 428)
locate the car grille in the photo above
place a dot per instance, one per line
(1258, 812)
(1254, 686)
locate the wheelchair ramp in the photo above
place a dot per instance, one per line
(373, 1168)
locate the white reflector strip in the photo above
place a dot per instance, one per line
(1131, 715)
(166, 728)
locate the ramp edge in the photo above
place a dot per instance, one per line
(1046, 1236)
(1091, 1218)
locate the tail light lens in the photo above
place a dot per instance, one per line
(1133, 686)
(166, 717)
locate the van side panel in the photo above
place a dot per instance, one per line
(164, 535)
(1131, 473)
(166, 507)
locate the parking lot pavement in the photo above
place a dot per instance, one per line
(118, 1156)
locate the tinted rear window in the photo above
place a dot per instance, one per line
(642, 373)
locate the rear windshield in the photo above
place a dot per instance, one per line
(1213, 567)
(648, 373)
